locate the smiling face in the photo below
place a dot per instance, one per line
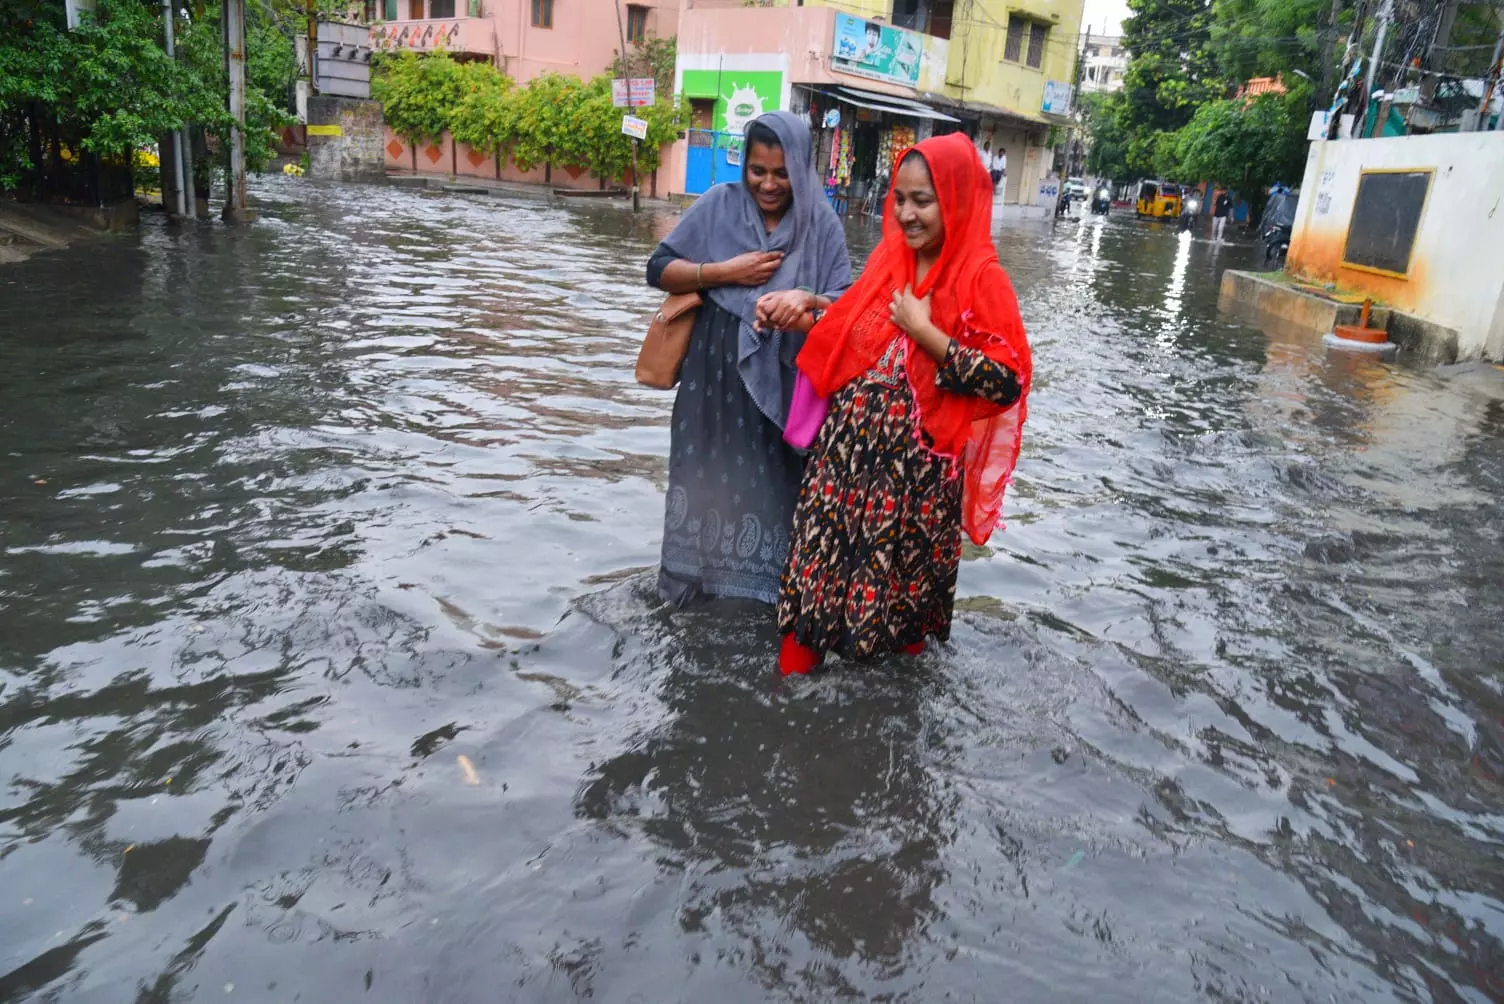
(916, 209)
(768, 179)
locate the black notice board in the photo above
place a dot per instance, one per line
(1386, 216)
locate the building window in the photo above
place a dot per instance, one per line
(441, 8)
(1017, 27)
(1037, 35)
(637, 25)
(543, 13)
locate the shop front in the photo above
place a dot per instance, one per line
(858, 135)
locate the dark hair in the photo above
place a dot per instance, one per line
(915, 155)
(874, 28)
(759, 132)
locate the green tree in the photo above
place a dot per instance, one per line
(108, 87)
(546, 127)
(653, 57)
(420, 94)
(1265, 38)
(1246, 145)
(1171, 67)
(487, 116)
(1107, 153)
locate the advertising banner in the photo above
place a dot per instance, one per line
(876, 51)
(1057, 98)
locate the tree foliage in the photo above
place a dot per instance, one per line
(1171, 68)
(553, 120)
(419, 94)
(1107, 156)
(108, 87)
(1246, 145)
(653, 57)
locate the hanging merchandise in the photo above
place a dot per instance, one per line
(894, 142)
(840, 158)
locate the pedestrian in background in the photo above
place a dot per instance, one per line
(1221, 210)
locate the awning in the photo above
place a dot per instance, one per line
(885, 103)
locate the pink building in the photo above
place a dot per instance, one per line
(524, 38)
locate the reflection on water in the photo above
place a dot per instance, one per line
(297, 517)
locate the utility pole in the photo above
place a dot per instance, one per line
(626, 70)
(235, 204)
(1329, 50)
(1493, 81)
(184, 180)
(312, 10)
(1441, 40)
(1385, 14)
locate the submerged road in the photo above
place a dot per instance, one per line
(330, 667)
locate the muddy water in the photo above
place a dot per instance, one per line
(297, 518)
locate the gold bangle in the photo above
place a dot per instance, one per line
(700, 275)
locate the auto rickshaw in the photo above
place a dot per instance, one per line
(1158, 199)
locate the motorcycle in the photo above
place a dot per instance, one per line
(1277, 226)
(1101, 202)
(1188, 215)
(1276, 243)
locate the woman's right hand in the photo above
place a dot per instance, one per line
(755, 268)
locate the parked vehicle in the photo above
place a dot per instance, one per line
(1158, 199)
(1276, 226)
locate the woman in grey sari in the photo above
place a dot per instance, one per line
(768, 253)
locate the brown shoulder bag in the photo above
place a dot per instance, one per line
(667, 343)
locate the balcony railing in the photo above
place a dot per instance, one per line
(456, 34)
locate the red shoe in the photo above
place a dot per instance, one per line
(794, 658)
(915, 649)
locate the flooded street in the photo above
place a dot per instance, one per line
(331, 667)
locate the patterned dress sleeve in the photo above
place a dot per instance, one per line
(970, 372)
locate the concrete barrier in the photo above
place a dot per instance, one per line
(1265, 299)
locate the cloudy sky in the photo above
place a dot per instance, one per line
(1104, 17)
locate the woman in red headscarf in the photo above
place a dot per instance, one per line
(927, 368)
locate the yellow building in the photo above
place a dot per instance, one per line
(999, 70)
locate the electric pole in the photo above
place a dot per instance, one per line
(185, 190)
(626, 70)
(1385, 14)
(1493, 82)
(233, 12)
(1329, 50)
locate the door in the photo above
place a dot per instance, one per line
(714, 157)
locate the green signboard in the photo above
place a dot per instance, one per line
(877, 51)
(740, 95)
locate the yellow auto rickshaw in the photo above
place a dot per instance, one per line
(1158, 199)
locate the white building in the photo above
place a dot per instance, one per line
(1103, 62)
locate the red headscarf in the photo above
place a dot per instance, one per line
(973, 302)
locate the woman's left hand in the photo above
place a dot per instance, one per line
(785, 310)
(909, 312)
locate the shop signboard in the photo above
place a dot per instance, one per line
(740, 95)
(876, 51)
(635, 127)
(1057, 98)
(642, 92)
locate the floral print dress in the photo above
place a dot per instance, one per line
(876, 543)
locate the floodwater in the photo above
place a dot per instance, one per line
(330, 668)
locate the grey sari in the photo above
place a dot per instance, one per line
(733, 481)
